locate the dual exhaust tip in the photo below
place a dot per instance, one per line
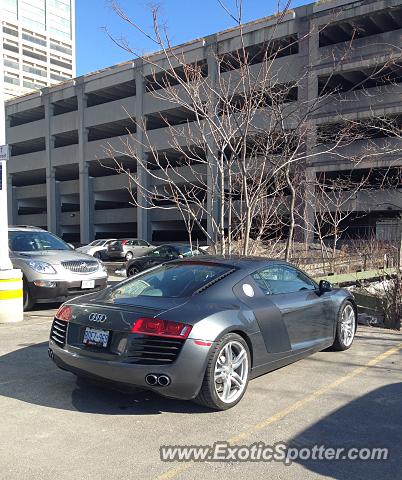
(152, 379)
(155, 380)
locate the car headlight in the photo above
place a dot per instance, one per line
(41, 267)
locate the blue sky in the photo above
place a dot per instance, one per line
(185, 19)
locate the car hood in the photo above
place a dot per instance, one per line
(89, 249)
(53, 256)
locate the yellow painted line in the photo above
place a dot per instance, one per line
(168, 475)
(4, 280)
(10, 294)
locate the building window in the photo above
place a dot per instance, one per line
(11, 63)
(61, 48)
(34, 70)
(31, 54)
(10, 31)
(68, 66)
(31, 38)
(13, 80)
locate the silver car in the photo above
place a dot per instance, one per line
(128, 248)
(97, 248)
(52, 270)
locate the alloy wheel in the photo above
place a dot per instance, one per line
(348, 324)
(231, 372)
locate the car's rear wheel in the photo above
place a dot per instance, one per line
(345, 327)
(133, 270)
(28, 301)
(227, 373)
(129, 256)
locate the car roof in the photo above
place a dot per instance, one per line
(25, 228)
(248, 263)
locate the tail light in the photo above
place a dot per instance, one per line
(64, 313)
(161, 328)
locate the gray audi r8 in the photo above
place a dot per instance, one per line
(201, 328)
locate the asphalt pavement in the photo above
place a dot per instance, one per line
(55, 428)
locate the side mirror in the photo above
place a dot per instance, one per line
(324, 286)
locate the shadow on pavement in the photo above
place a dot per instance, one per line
(374, 420)
(30, 376)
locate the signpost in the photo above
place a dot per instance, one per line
(11, 285)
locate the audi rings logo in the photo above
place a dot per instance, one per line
(97, 317)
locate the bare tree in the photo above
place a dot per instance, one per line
(235, 162)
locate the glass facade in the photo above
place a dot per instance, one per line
(53, 16)
(37, 44)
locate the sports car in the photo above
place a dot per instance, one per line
(201, 328)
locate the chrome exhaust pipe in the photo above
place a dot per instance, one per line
(151, 379)
(50, 353)
(163, 380)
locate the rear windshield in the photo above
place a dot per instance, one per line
(35, 241)
(172, 280)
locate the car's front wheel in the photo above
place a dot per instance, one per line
(132, 270)
(227, 373)
(345, 327)
(28, 301)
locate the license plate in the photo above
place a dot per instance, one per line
(88, 284)
(98, 338)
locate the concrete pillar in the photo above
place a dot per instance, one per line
(85, 182)
(144, 226)
(87, 205)
(213, 204)
(309, 47)
(53, 201)
(12, 206)
(52, 197)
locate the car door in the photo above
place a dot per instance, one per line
(157, 256)
(305, 312)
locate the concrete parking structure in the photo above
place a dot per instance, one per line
(61, 177)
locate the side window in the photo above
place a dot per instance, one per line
(135, 243)
(142, 243)
(163, 251)
(282, 279)
(259, 280)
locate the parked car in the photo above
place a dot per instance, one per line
(161, 254)
(201, 328)
(128, 248)
(97, 248)
(52, 270)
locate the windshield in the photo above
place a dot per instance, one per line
(35, 241)
(159, 252)
(170, 280)
(187, 252)
(96, 243)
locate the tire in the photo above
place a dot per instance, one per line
(212, 393)
(28, 302)
(98, 255)
(132, 270)
(346, 324)
(129, 256)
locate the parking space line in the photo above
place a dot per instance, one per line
(172, 473)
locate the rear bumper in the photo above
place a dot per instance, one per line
(63, 290)
(186, 373)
